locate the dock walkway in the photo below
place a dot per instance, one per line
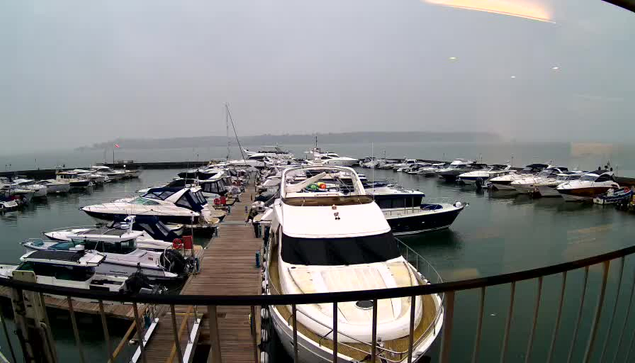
(228, 267)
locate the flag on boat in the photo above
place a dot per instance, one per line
(117, 146)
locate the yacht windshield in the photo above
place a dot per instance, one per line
(589, 177)
(143, 201)
(339, 251)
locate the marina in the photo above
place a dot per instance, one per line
(228, 262)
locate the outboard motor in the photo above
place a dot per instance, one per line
(174, 262)
(136, 282)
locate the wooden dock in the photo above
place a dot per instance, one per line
(228, 267)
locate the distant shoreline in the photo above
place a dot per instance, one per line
(308, 139)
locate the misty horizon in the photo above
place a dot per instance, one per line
(75, 73)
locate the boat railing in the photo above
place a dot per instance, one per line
(569, 320)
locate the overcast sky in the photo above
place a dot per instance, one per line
(77, 72)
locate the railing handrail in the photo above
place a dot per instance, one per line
(319, 298)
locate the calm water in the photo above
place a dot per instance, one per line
(497, 233)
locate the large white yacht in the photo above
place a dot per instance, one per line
(589, 186)
(328, 239)
(458, 167)
(113, 175)
(504, 182)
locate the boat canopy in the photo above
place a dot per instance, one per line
(339, 251)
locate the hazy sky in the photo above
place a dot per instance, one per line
(77, 72)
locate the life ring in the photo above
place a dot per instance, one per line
(177, 243)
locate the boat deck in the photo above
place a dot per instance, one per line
(359, 351)
(228, 268)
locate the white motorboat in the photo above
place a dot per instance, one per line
(547, 188)
(96, 177)
(9, 192)
(406, 214)
(55, 186)
(171, 205)
(504, 182)
(113, 175)
(149, 233)
(75, 269)
(479, 177)
(415, 168)
(458, 167)
(431, 170)
(75, 180)
(589, 186)
(528, 184)
(325, 239)
(123, 258)
(330, 158)
(405, 165)
(39, 190)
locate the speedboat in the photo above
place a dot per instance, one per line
(96, 177)
(8, 204)
(547, 187)
(201, 173)
(431, 170)
(123, 258)
(528, 184)
(54, 186)
(325, 239)
(75, 269)
(504, 182)
(407, 215)
(458, 167)
(614, 196)
(589, 186)
(414, 169)
(39, 190)
(171, 205)
(149, 233)
(479, 177)
(10, 192)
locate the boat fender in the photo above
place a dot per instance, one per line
(177, 243)
(264, 313)
(264, 357)
(264, 335)
(264, 286)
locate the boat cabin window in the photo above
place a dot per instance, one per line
(121, 248)
(603, 178)
(589, 177)
(143, 201)
(60, 272)
(339, 251)
(398, 202)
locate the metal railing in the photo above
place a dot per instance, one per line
(621, 337)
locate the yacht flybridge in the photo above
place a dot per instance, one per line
(327, 237)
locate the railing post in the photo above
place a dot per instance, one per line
(175, 332)
(479, 326)
(554, 337)
(335, 347)
(446, 341)
(104, 324)
(373, 351)
(628, 314)
(580, 311)
(535, 321)
(78, 340)
(215, 354)
(295, 332)
(617, 299)
(510, 314)
(411, 329)
(598, 312)
(142, 347)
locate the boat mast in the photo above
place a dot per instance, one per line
(231, 119)
(227, 130)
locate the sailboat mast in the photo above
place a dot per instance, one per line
(227, 130)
